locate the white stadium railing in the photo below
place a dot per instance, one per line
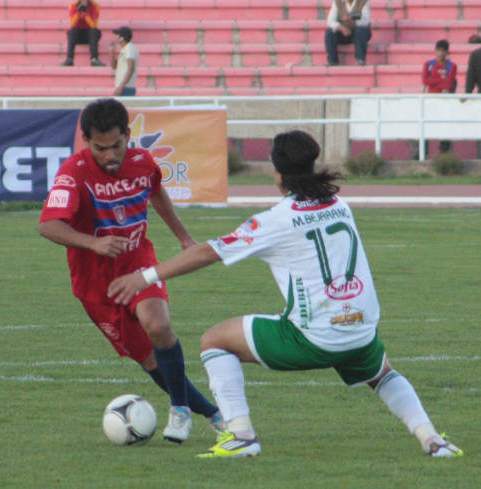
(375, 117)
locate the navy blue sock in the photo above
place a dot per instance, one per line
(158, 379)
(196, 401)
(170, 363)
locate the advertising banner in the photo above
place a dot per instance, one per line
(33, 144)
(189, 145)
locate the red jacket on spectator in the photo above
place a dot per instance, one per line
(440, 77)
(84, 20)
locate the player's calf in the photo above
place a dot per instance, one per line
(401, 399)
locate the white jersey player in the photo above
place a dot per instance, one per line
(312, 245)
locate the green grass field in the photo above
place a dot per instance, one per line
(57, 373)
(261, 179)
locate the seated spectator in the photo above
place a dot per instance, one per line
(439, 74)
(348, 25)
(84, 16)
(125, 63)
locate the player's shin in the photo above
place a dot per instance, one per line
(401, 399)
(226, 381)
(170, 363)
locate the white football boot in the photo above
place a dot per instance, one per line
(180, 424)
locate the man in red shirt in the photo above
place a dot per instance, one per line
(439, 74)
(97, 209)
(84, 17)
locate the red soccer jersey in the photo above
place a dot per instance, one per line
(96, 203)
(440, 77)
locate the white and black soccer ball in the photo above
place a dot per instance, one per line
(129, 419)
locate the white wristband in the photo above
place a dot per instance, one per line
(150, 275)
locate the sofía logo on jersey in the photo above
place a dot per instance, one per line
(120, 215)
(312, 205)
(342, 290)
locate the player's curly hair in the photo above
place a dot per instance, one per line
(104, 115)
(293, 155)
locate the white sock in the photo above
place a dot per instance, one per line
(226, 381)
(401, 399)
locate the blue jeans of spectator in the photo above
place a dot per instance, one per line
(128, 92)
(360, 37)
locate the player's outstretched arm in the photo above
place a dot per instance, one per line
(122, 289)
(163, 206)
(62, 233)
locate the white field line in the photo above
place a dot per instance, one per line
(270, 200)
(125, 381)
(128, 364)
(26, 327)
(217, 218)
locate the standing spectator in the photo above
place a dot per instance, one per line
(348, 26)
(439, 74)
(473, 76)
(125, 64)
(84, 17)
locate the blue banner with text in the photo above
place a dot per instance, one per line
(33, 144)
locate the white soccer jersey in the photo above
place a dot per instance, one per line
(318, 261)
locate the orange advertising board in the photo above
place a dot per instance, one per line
(189, 145)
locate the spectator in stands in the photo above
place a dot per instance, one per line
(125, 63)
(356, 11)
(439, 74)
(84, 16)
(351, 24)
(473, 75)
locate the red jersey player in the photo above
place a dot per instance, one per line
(97, 208)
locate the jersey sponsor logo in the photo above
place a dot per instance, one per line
(242, 232)
(349, 317)
(312, 205)
(252, 224)
(120, 214)
(341, 289)
(64, 181)
(121, 186)
(58, 199)
(110, 330)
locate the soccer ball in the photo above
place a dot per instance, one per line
(129, 419)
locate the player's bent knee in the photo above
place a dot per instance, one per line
(160, 333)
(208, 340)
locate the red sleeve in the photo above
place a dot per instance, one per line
(427, 78)
(157, 177)
(63, 199)
(92, 15)
(452, 79)
(95, 11)
(73, 14)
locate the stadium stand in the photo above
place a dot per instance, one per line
(238, 47)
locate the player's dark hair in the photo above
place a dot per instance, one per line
(442, 44)
(103, 115)
(293, 155)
